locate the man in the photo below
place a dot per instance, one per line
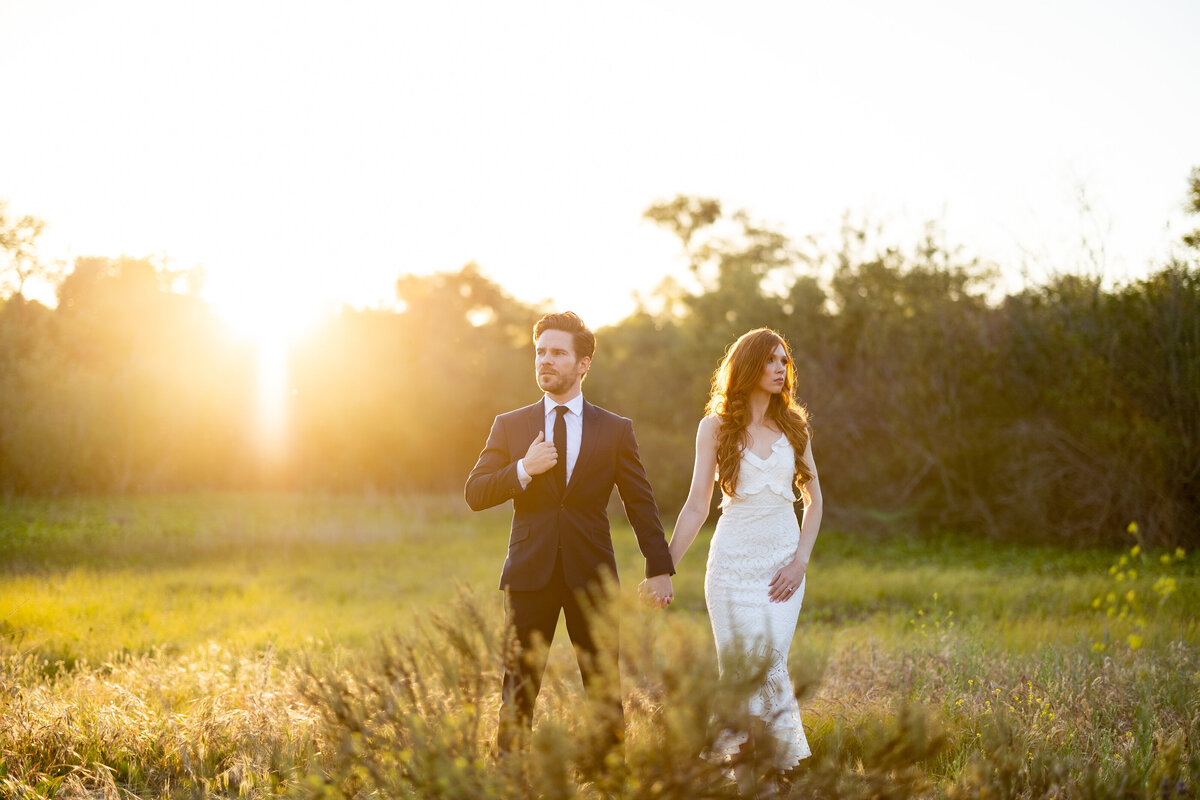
(558, 461)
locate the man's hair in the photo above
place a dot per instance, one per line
(569, 322)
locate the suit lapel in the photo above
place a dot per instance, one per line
(535, 423)
(535, 419)
(587, 442)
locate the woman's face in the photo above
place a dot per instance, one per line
(774, 371)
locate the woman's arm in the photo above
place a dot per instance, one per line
(695, 510)
(791, 575)
(810, 523)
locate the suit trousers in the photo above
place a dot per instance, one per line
(532, 617)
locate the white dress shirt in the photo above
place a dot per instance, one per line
(574, 420)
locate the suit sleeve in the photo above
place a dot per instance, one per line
(494, 479)
(638, 499)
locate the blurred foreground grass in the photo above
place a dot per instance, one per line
(219, 645)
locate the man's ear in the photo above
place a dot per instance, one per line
(586, 363)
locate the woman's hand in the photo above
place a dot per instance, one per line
(656, 591)
(786, 581)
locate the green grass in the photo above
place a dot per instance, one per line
(89, 578)
(168, 645)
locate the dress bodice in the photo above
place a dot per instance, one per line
(772, 475)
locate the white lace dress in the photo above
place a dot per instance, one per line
(756, 535)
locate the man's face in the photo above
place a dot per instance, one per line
(557, 370)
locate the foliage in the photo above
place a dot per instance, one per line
(1058, 411)
(385, 399)
(19, 260)
(1192, 239)
(124, 385)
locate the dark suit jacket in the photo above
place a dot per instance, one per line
(545, 518)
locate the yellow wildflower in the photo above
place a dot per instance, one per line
(1135, 642)
(1164, 586)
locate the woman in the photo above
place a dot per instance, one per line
(755, 440)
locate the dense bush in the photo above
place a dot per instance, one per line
(1063, 410)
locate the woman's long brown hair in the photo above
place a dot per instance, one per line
(740, 374)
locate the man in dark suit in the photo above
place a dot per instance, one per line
(558, 461)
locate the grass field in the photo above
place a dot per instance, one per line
(289, 645)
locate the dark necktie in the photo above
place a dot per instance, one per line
(560, 445)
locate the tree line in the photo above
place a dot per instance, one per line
(1063, 410)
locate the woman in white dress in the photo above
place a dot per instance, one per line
(755, 441)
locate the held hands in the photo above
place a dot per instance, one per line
(541, 456)
(657, 591)
(787, 581)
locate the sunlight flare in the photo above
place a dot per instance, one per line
(271, 320)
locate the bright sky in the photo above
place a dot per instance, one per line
(301, 151)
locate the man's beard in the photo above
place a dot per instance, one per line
(556, 384)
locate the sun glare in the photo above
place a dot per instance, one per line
(272, 322)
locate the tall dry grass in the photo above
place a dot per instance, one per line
(213, 723)
(926, 667)
(942, 715)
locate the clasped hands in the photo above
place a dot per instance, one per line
(657, 591)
